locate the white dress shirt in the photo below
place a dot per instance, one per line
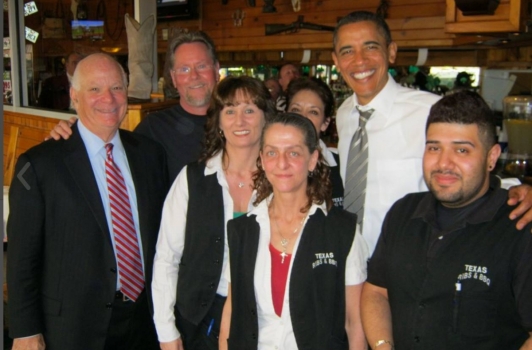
(276, 333)
(396, 141)
(170, 246)
(327, 154)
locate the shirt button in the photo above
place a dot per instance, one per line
(218, 239)
(211, 286)
(113, 270)
(217, 261)
(416, 339)
(254, 336)
(109, 305)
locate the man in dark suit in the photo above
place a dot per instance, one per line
(83, 225)
(55, 92)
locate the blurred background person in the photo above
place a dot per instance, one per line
(297, 263)
(55, 91)
(287, 73)
(274, 88)
(313, 99)
(192, 248)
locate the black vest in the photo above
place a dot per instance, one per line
(337, 184)
(201, 264)
(317, 282)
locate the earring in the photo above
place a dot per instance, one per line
(311, 173)
(221, 133)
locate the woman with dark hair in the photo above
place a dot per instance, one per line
(192, 249)
(313, 99)
(297, 263)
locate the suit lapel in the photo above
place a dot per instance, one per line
(78, 163)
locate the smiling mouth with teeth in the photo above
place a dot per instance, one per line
(363, 74)
(245, 132)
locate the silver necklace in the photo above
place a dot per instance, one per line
(241, 184)
(284, 241)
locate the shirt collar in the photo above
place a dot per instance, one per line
(94, 144)
(327, 154)
(261, 210)
(382, 102)
(426, 209)
(214, 164)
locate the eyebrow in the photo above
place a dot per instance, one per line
(453, 142)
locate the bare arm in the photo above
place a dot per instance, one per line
(521, 194)
(528, 344)
(353, 322)
(226, 322)
(35, 342)
(376, 315)
(172, 345)
(62, 130)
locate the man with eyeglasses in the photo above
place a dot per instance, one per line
(192, 67)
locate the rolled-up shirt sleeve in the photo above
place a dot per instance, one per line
(169, 250)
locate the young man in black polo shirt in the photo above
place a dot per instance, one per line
(450, 270)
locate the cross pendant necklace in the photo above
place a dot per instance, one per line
(285, 241)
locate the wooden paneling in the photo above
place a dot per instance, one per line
(507, 18)
(21, 132)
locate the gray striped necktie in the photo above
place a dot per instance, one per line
(357, 168)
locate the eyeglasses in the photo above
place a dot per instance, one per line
(200, 68)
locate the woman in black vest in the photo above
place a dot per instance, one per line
(188, 286)
(313, 99)
(296, 264)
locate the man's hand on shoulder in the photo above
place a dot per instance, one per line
(521, 195)
(62, 130)
(172, 345)
(30, 343)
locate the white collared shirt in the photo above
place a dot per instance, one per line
(276, 333)
(327, 154)
(396, 140)
(170, 245)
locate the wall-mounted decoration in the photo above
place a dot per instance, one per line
(272, 29)
(296, 5)
(238, 16)
(54, 27)
(268, 7)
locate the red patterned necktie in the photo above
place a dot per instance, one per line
(126, 243)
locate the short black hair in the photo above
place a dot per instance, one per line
(362, 16)
(465, 107)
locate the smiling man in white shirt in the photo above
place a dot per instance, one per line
(363, 50)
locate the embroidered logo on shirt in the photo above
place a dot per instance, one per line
(475, 272)
(324, 259)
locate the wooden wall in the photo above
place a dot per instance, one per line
(414, 24)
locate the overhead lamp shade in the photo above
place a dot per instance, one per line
(477, 7)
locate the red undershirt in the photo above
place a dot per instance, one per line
(279, 276)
